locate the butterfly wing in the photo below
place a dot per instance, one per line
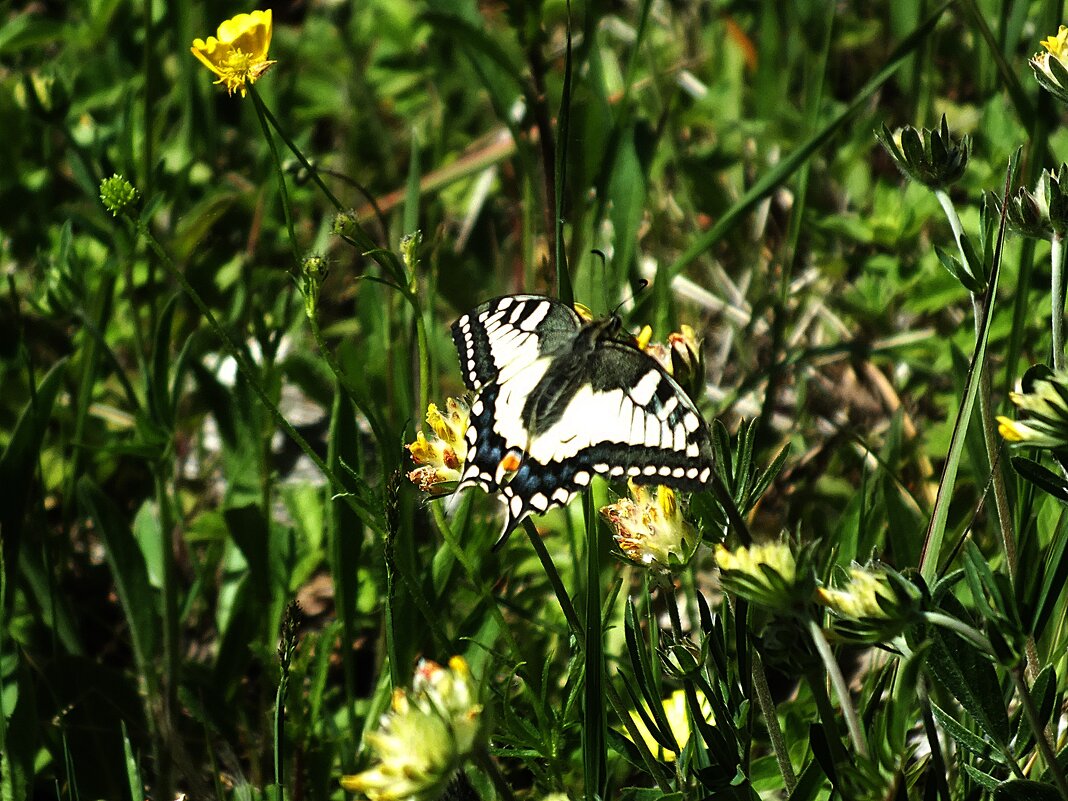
(613, 411)
(506, 334)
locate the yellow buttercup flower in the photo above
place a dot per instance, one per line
(1057, 46)
(238, 51)
(1051, 67)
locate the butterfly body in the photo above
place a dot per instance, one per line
(559, 399)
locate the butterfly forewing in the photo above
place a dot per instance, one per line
(558, 401)
(507, 334)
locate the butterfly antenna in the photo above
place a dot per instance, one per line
(643, 284)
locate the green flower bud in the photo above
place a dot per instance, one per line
(118, 194)
(409, 248)
(928, 156)
(874, 605)
(313, 271)
(1045, 399)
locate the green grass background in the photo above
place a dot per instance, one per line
(157, 521)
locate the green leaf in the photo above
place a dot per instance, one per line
(969, 676)
(139, 602)
(1041, 476)
(965, 738)
(1024, 789)
(18, 466)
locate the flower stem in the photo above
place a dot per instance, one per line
(1057, 259)
(1028, 704)
(261, 115)
(261, 106)
(975, 637)
(986, 404)
(856, 734)
(771, 721)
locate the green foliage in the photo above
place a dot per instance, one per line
(224, 317)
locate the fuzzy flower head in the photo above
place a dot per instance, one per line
(875, 604)
(677, 716)
(767, 574)
(1045, 399)
(118, 195)
(650, 529)
(1051, 67)
(237, 54)
(424, 738)
(441, 457)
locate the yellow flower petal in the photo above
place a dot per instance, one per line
(238, 51)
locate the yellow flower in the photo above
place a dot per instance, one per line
(675, 710)
(650, 528)
(767, 574)
(1051, 67)
(441, 458)
(1046, 402)
(238, 53)
(1057, 46)
(424, 737)
(860, 598)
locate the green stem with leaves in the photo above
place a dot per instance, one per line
(579, 638)
(841, 689)
(991, 440)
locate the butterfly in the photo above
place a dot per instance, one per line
(559, 399)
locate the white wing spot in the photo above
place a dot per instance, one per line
(704, 475)
(600, 468)
(693, 449)
(516, 506)
(691, 422)
(633, 471)
(617, 471)
(535, 317)
(477, 408)
(504, 303)
(679, 442)
(644, 389)
(665, 470)
(464, 322)
(668, 408)
(539, 501)
(678, 472)
(691, 473)
(650, 470)
(582, 478)
(518, 310)
(652, 432)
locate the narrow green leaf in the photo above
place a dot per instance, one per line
(18, 465)
(139, 602)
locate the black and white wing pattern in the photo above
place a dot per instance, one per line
(558, 399)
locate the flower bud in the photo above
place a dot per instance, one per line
(313, 271)
(118, 194)
(1051, 67)
(929, 156)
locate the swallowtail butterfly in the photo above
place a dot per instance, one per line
(558, 399)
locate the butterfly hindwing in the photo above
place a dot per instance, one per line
(558, 400)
